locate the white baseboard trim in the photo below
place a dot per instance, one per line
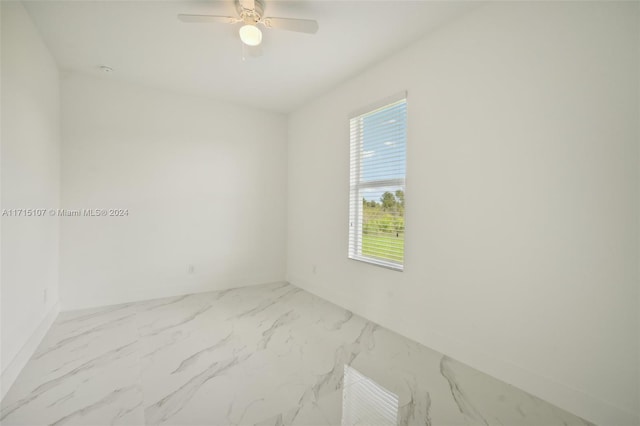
(572, 400)
(161, 294)
(13, 369)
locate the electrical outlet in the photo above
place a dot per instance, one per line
(314, 269)
(191, 269)
(44, 295)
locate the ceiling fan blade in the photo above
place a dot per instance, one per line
(308, 26)
(206, 19)
(251, 52)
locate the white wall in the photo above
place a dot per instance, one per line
(522, 199)
(203, 182)
(30, 180)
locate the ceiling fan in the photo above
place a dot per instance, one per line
(251, 13)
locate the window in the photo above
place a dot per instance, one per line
(378, 162)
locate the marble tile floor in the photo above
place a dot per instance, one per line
(265, 355)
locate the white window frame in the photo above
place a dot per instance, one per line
(356, 187)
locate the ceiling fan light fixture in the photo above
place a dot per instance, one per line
(250, 35)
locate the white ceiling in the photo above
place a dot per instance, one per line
(144, 42)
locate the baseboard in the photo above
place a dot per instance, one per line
(172, 292)
(572, 400)
(13, 369)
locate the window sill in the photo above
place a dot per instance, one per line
(378, 262)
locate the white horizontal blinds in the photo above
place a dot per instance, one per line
(377, 170)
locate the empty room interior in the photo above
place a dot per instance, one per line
(320, 212)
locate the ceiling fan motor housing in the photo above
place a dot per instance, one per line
(250, 15)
